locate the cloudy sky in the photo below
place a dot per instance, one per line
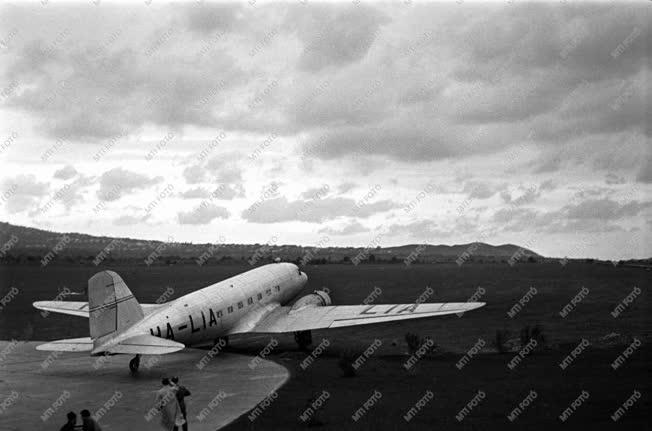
(334, 124)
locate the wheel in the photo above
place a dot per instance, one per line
(134, 364)
(303, 339)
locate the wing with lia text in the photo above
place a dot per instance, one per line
(284, 319)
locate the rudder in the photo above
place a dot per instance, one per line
(112, 306)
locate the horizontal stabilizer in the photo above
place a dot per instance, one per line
(80, 308)
(70, 345)
(143, 345)
(74, 308)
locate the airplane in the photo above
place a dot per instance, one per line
(256, 301)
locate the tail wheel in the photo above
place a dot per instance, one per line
(303, 339)
(134, 364)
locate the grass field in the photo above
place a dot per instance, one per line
(503, 285)
(504, 389)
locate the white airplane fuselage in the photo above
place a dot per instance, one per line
(223, 308)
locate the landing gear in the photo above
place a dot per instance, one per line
(303, 339)
(134, 364)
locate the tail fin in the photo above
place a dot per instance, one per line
(112, 306)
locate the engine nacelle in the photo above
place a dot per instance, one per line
(318, 298)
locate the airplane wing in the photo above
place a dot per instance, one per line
(79, 308)
(140, 344)
(284, 319)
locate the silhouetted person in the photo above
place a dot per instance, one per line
(167, 403)
(88, 423)
(72, 421)
(182, 392)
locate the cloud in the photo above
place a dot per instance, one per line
(526, 195)
(473, 97)
(194, 174)
(26, 185)
(203, 214)
(224, 168)
(346, 187)
(484, 66)
(399, 139)
(590, 215)
(547, 185)
(581, 38)
(604, 209)
(478, 190)
(23, 192)
(219, 169)
(349, 229)
(279, 210)
(644, 175)
(69, 195)
(612, 178)
(128, 220)
(333, 37)
(90, 92)
(228, 191)
(227, 174)
(424, 231)
(617, 153)
(119, 182)
(315, 192)
(506, 215)
(65, 173)
(206, 18)
(592, 193)
(196, 193)
(509, 81)
(222, 192)
(73, 192)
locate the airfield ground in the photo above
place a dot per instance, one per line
(554, 285)
(38, 388)
(504, 389)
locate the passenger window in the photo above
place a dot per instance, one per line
(240, 305)
(268, 292)
(219, 313)
(250, 301)
(260, 296)
(278, 288)
(230, 308)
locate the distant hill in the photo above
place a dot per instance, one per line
(20, 242)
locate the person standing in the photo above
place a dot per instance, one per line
(166, 403)
(182, 392)
(88, 423)
(72, 422)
